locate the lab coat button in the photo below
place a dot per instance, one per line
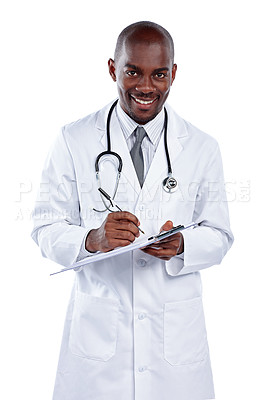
(142, 369)
(142, 316)
(141, 207)
(141, 262)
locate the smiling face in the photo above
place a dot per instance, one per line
(144, 72)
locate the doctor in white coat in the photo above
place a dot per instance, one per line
(134, 328)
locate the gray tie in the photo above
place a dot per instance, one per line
(136, 154)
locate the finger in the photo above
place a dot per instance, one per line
(124, 215)
(167, 226)
(117, 233)
(124, 226)
(164, 254)
(174, 238)
(166, 240)
(174, 246)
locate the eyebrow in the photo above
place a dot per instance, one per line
(157, 70)
(161, 69)
(132, 66)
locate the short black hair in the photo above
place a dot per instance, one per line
(142, 25)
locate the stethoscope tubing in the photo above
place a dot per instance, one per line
(165, 142)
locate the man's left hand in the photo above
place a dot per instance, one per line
(167, 248)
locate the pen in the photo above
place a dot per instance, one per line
(113, 204)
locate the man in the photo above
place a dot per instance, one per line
(135, 325)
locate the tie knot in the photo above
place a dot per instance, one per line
(140, 134)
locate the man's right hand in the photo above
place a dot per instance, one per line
(118, 229)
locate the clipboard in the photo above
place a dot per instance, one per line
(137, 244)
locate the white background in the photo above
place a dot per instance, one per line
(53, 71)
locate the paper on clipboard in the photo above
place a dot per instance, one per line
(139, 243)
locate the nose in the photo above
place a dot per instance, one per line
(145, 85)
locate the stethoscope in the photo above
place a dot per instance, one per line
(170, 184)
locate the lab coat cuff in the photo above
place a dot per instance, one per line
(204, 246)
(175, 265)
(178, 264)
(83, 253)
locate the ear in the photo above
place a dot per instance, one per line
(111, 66)
(174, 69)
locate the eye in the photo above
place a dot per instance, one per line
(160, 75)
(131, 73)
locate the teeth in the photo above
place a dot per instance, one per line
(142, 101)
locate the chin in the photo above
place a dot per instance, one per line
(142, 118)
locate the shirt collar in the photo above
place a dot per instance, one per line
(153, 128)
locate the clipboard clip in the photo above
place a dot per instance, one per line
(175, 229)
(163, 234)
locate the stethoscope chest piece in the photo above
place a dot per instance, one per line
(170, 184)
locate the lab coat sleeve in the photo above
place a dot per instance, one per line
(206, 244)
(56, 216)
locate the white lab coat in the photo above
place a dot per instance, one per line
(134, 327)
